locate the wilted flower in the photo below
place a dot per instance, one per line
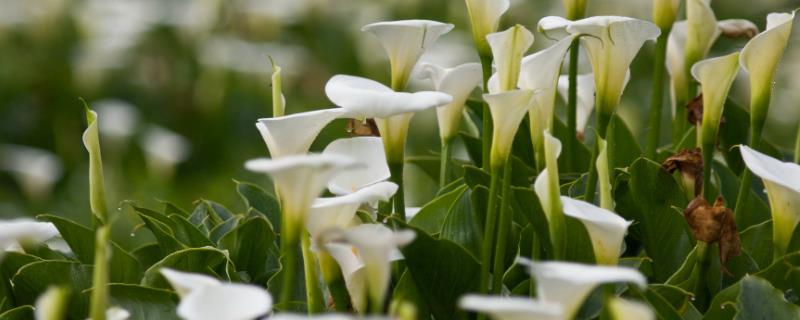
(294, 134)
(690, 164)
(205, 298)
(714, 224)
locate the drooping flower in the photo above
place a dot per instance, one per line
(782, 181)
(205, 298)
(485, 17)
(508, 47)
(606, 229)
(368, 151)
(294, 134)
(716, 76)
(404, 42)
(508, 109)
(338, 212)
(458, 82)
(568, 284)
(511, 308)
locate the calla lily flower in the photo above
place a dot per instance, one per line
(164, 150)
(338, 212)
(568, 284)
(97, 189)
(12, 231)
(369, 151)
(485, 17)
(299, 180)
(206, 298)
(547, 189)
(405, 41)
(52, 304)
(539, 73)
(701, 31)
(665, 12)
(294, 134)
(508, 109)
(622, 309)
(327, 316)
(585, 103)
(511, 308)
(457, 82)
(118, 119)
(34, 169)
(606, 228)
(760, 58)
(374, 247)
(782, 181)
(716, 76)
(508, 47)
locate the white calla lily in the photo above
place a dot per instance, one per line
(299, 181)
(204, 297)
(327, 316)
(118, 119)
(716, 76)
(508, 47)
(539, 73)
(294, 134)
(368, 151)
(508, 109)
(622, 309)
(34, 169)
(606, 229)
(554, 27)
(585, 103)
(117, 313)
(52, 304)
(405, 41)
(458, 82)
(548, 190)
(485, 16)
(13, 231)
(185, 282)
(760, 58)
(701, 32)
(568, 284)
(782, 181)
(665, 12)
(164, 149)
(511, 308)
(338, 212)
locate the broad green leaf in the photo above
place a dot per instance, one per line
(432, 216)
(675, 296)
(189, 234)
(171, 208)
(474, 148)
(255, 197)
(218, 210)
(475, 176)
(760, 300)
(210, 261)
(623, 147)
(757, 241)
(580, 160)
(527, 204)
(443, 271)
(579, 244)
(33, 279)
(461, 224)
(18, 313)
(126, 268)
(162, 228)
(734, 131)
(143, 302)
(251, 246)
(406, 290)
(148, 254)
(275, 284)
(431, 165)
(221, 230)
(10, 263)
(661, 306)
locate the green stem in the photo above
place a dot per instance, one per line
(572, 105)
(797, 147)
(100, 276)
(489, 232)
(313, 292)
(335, 282)
(700, 291)
(678, 129)
(289, 254)
(447, 154)
(502, 233)
(591, 183)
(486, 142)
(708, 158)
(657, 97)
(747, 177)
(396, 170)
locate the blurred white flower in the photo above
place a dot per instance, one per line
(164, 149)
(294, 134)
(458, 82)
(622, 309)
(52, 304)
(228, 52)
(205, 298)
(14, 231)
(511, 308)
(606, 229)
(35, 170)
(118, 119)
(715, 76)
(184, 282)
(369, 152)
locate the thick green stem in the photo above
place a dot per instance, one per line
(502, 231)
(591, 183)
(100, 275)
(335, 281)
(572, 106)
(657, 96)
(313, 292)
(678, 121)
(747, 177)
(289, 268)
(489, 232)
(444, 166)
(486, 146)
(396, 170)
(701, 292)
(708, 158)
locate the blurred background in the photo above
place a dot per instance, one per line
(179, 85)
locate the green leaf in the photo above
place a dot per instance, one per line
(760, 300)
(757, 241)
(208, 261)
(148, 254)
(162, 228)
(256, 198)
(675, 296)
(171, 208)
(189, 234)
(251, 246)
(126, 268)
(581, 158)
(625, 149)
(221, 230)
(443, 271)
(756, 209)
(653, 193)
(461, 224)
(432, 216)
(18, 313)
(475, 176)
(527, 205)
(474, 148)
(406, 290)
(143, 302)
(33, 279)
(734, 131)
(579, 244)
(661, 306)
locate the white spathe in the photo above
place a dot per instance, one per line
(369, 152)
(184, 282)
(701, 31)
(585, 103)
(508, 47)
(405, 41)
(13, 231)
(606, 229)
(365, 98)
(294, 134)
(546, 185)
(508, 109)
(36, 170)
(458, 82)
(623, 309)
(665, 12)
(206, 298)
(716, 76)
(511, 308)
(485, 16)
(118, 119)
(300, 179)
(760, 57)
(338, 212)
(782, 181)
(568, 284)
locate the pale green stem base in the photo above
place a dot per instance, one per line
(313, 292)
(572, 106)
(591, 182)
(398, 199)
(708, 158)
(444, 166)
(100, 276)
(486, 142)
(502, 233)
(489, 232)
